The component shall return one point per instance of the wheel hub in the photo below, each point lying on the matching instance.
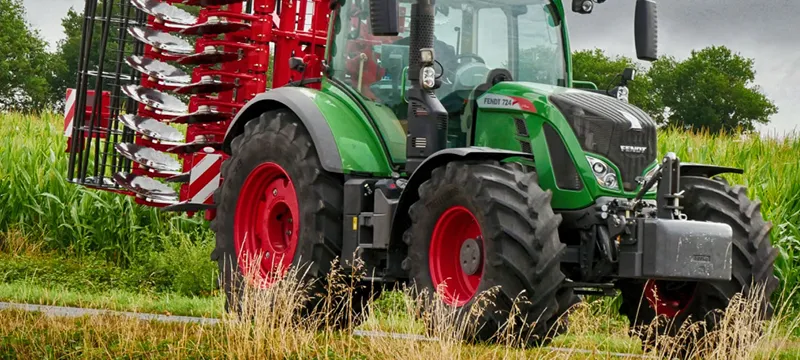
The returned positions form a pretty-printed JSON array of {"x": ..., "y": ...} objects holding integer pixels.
[
  {"x": 455, "y": 255},
  {"x": 265, "y": 224},
  {"x": 669, "y": 298},
  {"x": 470, "y": 256}
]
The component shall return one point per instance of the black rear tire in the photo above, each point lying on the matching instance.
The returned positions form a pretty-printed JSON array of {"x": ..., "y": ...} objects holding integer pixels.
[
  {"x": 521, "y": 248},
  {"x": 753, "y": 263},
  {"x": 279, "y": 137}
]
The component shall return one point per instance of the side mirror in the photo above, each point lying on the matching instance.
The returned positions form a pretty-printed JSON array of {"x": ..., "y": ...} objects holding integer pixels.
[
  {"x": 646, "y": 30},
  {"x": 383, "y": 17}
]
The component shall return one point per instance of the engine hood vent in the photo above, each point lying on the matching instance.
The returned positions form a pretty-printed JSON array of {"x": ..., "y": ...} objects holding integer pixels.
[{"x": 621, "y": 132}]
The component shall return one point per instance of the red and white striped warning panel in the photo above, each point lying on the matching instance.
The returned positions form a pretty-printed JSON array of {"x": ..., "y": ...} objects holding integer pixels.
[
  {"x": 69, "y": 112},
  {"x": 204, "y": 177}
]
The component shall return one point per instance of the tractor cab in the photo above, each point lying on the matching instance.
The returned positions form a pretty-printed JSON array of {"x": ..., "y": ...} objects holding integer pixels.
[{"x": 524, "y": 39}]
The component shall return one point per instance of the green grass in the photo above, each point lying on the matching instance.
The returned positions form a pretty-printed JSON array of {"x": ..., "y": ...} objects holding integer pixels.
[
  {"x": 116, "y": 300},
  {"x": 90, "y": 282}
]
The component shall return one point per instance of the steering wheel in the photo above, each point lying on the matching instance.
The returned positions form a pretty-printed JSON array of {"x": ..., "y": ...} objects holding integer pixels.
[
  {"x": 452, "y": 66},
  {"x": 470, "y": 56}
]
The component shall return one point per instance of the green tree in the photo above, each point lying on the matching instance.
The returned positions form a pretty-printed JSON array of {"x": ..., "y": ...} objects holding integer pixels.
[
  {"x": 713, "y": 89},
  {"x": 24, "y": 63},
  {"x": 604, "y": 71},
  {"x": 67, "y": 56}
]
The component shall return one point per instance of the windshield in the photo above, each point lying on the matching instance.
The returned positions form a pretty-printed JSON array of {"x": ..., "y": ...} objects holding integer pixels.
[
  {"x": 471, "y": 37},
  {"x": 523, "y": 37}
]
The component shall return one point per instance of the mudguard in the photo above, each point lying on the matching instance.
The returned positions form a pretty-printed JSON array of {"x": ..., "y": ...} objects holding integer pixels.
[
  {"x": 410, "y": 195},
  {"x": 692, "y": 169},
  {"x": 305, "y": 108}
]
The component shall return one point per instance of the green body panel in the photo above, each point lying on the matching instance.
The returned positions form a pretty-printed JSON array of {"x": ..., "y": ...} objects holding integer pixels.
[
  {"x": 391, "y": 130},
  {"x": 495, "y": 128},
  {"x": 358, "y": 143}
]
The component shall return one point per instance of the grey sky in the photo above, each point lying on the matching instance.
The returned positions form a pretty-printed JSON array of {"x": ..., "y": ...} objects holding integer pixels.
[{"x": 762, "y": 30}]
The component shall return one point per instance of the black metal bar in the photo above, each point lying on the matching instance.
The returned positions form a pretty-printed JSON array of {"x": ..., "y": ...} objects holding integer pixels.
[
  {"x": 97, "y": 107},
  {"x": 427, "y": 117},
  {"x": 80, "y": 96},
  {"x": 115, "y": 105},
  {"x": 668, "y": 187},
  {"x": 84, "y": 87}
]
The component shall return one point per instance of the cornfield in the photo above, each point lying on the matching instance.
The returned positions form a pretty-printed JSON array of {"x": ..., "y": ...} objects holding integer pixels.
[{"x": 37, "y": 201}]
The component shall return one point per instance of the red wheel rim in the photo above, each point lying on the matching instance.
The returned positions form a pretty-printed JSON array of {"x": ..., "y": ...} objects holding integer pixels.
[
  {"x": 668, "y": 298},
  {"x": 454, "y": 227},
  {"x": 266, "y": 223}
]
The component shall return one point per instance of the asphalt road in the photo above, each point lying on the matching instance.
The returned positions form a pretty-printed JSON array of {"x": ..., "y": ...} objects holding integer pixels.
[{"x": 63, "y": 311}]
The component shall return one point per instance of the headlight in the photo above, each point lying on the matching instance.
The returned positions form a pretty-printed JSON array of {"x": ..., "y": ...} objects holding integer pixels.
[
  {"x": 603, "y": 173},
  {"x": 428, "y": 77}
]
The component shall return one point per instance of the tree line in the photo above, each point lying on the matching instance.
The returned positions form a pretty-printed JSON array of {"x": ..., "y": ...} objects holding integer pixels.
[{"x": 713, "y": 89}]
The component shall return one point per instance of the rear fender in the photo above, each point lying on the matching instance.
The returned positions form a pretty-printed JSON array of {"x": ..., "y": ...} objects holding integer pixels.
[
  {"x": 349, "y": 146},
  {"x": 401, "y": 220}
]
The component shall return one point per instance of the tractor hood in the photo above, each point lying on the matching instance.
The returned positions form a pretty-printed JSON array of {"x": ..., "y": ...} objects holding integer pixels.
[{"x": 616, "y": 130}]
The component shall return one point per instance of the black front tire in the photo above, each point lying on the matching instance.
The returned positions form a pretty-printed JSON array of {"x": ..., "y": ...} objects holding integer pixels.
[
  {"x": 522, "y": 251},
  {"x": 753, "y": 264},
  {"x": 278, "y": 136}
]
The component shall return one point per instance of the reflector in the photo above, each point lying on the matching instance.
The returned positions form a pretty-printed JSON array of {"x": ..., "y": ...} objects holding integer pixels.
[
  {"x": 203, "y": 115},
  {"x": 165, "y": 12},
  {"x": 209, "y": 56},
  {"x": 206, "y": 85},
  {"x": 161, "y": 40},
  {"x": 214, "y": 26},
  {"x": 155, "y": 99},
  {"x": 146, "y": 186},
  {"x": 151, "y": 127},
  {"x": 149, "y": 157},
  {"x": 158, "y": 69}
]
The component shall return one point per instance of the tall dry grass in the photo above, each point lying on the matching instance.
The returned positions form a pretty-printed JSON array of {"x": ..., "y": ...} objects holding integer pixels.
[{"x": 271, "y": 326}]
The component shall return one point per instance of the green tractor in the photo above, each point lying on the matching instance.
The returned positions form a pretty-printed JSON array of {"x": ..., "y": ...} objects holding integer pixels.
[{"x": 448, "y": 147}]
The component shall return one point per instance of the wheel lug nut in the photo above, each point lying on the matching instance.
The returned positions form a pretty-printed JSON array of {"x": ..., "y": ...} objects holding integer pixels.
[{"x": 274, "y": 192}]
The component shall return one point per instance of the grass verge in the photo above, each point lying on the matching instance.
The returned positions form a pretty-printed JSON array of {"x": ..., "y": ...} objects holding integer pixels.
[{"x": 271, "y": 327}]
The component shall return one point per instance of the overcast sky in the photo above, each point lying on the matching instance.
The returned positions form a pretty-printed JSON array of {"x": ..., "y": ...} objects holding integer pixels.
[{"x": 763, "y": 30}]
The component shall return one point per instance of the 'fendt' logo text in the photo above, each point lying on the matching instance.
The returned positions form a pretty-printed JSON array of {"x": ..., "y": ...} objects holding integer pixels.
[
  {"x": 632, "y": 149},
  {"x": 498, "y": 101}
]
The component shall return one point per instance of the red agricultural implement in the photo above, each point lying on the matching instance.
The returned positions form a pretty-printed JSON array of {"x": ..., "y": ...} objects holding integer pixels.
[{"x": 165, "y": 95}]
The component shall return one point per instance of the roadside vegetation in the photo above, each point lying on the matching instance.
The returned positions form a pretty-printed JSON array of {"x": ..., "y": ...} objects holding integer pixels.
[
  {"x": 61, "y": 244},
  {"x": 270, "y": 327}
]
